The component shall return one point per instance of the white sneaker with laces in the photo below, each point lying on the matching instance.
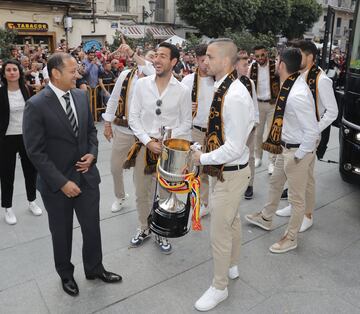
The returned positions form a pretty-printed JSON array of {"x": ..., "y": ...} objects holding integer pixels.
[
  {"x": 35, "y": 209},
  {"x": 10, "y": 217},
  {"x": 119, "y": 203},
  {"x": 284, "y": 212},
  {"x": 211, "y": 298},
  {"x": 234, "y": 272},
  {"x": 257, "y": 162},
  {"x": 306, "y": 224},
  {"x": 204, "y": 210},
  {"x": 270, "y": 168}
]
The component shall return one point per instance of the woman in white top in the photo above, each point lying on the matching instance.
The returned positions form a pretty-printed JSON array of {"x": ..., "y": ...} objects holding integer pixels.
[{"x": 13, "y": 95}]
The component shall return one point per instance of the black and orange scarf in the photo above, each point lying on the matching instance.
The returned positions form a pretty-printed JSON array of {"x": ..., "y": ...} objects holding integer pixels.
[
  {"x": 215, "y": 131},
  {"x": 274, "y": 79},
  {"x": 195, "y": 93},
  {"x": 273, "y": 142},
  {"x": 246, "y": 81},
  {"x": 312, "y": 79}
]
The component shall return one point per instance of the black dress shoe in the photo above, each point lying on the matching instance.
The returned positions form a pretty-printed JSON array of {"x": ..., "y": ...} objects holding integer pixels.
[
  {"x": 249, "y": 193},
  {"x": 70, "y": 287},
  {"x": 105, "y": 276}
]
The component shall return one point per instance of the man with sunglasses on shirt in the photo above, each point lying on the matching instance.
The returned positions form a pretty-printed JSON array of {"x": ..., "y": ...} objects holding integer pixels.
[
  {"x": 262, "y": 72},
  {"x": 159, "y": 101}
]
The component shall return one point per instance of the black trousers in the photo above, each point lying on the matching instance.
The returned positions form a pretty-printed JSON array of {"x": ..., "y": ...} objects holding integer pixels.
[
  {"x": 9, "y": 146},
  {"x": 60, "y": 211}
]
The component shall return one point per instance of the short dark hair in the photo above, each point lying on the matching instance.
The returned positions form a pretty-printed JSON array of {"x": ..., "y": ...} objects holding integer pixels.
[
  {"x": 306, "y": 46},
  {"x": 21, "y": 72},
  {"x": 174, "y": 52},
  {"x": 292, "y": 59},
  {"x": 200, "y": 50},
  {"x": 56, "y": 61},
  {"x": 259, "y": 47}
]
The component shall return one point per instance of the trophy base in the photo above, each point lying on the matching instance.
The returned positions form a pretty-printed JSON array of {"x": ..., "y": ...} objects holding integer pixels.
[{"x": 169, "y": 225}]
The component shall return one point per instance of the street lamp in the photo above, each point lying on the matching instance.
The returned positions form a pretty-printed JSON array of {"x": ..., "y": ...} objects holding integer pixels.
[{"x": 146, "y": 14}]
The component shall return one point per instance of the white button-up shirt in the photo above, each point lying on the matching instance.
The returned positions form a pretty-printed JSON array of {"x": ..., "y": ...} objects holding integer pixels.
[
  {"x": 327, "y": 105},
  {"x": 255, "y": 101},
  {"x": 175, "y": 110},
  {"x": 300, "y": 125},
  {"x": 263, "y": 82},
  {"x": 205, "y": 97},
  {"x": 59, "y": 94},
  {"x": 238, "y": 120},
  {"x": 113, "y": 102}
]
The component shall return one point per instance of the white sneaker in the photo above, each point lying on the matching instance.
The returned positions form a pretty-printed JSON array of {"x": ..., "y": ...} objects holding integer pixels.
[
  {"x": 234, "y": 272},
  {"x": 10, "y": 217},
  {"x": 306, "y": 224},
  {"x": 270, "y": 168},
  {"x": 284, "y": 212},
  {"x": 204, "y": 210},
  {"x": 211, "y": 298},
  {"x": 119, "y": 203},
  {"x": 35, "y": 209},
  {"x": 257, "y": 162}
]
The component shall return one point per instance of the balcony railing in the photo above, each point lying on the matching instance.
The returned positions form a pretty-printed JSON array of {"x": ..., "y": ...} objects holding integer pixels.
[{"x": 121, "y": 8}]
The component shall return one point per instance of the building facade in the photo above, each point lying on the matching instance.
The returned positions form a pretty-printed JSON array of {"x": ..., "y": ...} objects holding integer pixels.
[
  {"x": 46, "y": 22},
  {"x": 344, "y": 13}
]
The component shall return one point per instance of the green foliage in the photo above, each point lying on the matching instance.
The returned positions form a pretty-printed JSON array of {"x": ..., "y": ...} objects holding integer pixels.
[
  {"x": 212, "y": 17},
  {"x": 304, "y": 13},
  {"x": 192, "y": 41},
  {"x": 271, "y": 16},
  {"x": 246, "y": 41},
  {"x": 7, "y": 38}
]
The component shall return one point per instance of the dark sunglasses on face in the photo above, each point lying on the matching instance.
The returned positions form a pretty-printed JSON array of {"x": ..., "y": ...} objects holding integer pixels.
[
  {"x": 260, "y": 56},
  {"x": 158, "y": 104}
]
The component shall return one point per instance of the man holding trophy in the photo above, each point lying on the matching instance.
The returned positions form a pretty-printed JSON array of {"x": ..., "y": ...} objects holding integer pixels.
[
  {"x": 231, "y": 120},
  {"x": 160, "y": 101}
]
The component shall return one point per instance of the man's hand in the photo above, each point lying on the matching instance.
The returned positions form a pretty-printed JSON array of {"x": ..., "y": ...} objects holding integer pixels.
[
  {"x": 196, "y": 157},
  {"x": 126, "y": 49},
  {"x": 85, "y": 163},
  {"x": 155, "y": 147},
  {"x": 108, "y": 133},
  {"x": 70, "y": 189}
]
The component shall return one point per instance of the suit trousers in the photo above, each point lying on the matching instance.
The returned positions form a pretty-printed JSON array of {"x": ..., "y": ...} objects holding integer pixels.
[
  {"x": 9, "y": 146},
  {"x": 251, "y": 145},
  {"x": 60, "y": 211},
  {"x": 225, "y": 225},
  {"x": 296, "y": 173},
  {"x": 198, "y": 136},
  {"x": 121, "y": 146},
  {"x": 266, "y": 114}
]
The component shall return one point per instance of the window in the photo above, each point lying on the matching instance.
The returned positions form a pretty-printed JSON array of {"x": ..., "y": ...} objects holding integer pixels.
[
  {"x": 160, "y": 11},
  {"x": 121, "y": 6},
  {"x": 338, "y": 22},
  {"x": 350, "y": 24}
]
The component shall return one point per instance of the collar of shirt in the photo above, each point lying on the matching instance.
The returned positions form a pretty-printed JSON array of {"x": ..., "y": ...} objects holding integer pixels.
[
  {"x": 172, "y": 80},
  {"x": 219, "y": 82},
  {"x": 58, "y": 92}
]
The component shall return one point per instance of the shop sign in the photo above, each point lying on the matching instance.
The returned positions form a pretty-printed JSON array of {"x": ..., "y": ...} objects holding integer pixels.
[{"x": 27, "y": 27}]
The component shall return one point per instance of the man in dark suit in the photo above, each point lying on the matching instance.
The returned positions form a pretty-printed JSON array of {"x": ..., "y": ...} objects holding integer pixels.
[{"x": 61, "y": 141}]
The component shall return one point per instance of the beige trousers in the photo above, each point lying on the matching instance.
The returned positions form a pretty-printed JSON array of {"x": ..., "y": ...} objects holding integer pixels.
[
  {"x": 120, "y": 147},
  {"x": 251, "y": 145},
  {"x": 296, "y": 173},
  {"x": 144, "y": 189},
  {"x": 266, "y": 113},
  {"x": 225, "y": 232},
  {"x": 198, "y": 136}
]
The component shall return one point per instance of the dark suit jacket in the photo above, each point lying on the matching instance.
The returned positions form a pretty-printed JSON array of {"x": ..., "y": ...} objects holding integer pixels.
[
  {"x": 5, "y": 107},
  {"x": 51, "y": 143}
]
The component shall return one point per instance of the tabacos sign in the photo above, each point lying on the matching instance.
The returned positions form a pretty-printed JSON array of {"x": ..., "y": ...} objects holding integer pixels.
[{"x": 27, "y": 27}]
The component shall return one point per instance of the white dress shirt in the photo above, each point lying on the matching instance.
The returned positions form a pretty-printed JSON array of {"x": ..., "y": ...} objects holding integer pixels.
[
  {"x": 16, "y": 106},
  {"x": 175, "y": 110},
  {"x": 59, "y": 94},
  {"x": 300, "y": 125},
  {"x": 263, "y": 82},
  {"x": 238, "y": 120},
  {"x": 255, "y": 101},
  {"x": 327, "y": 105},
  {"x": 205, "y": 97}
]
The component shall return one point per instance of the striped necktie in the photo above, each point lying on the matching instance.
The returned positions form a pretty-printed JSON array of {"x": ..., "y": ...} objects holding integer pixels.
[{"x": 70, "y": 114}]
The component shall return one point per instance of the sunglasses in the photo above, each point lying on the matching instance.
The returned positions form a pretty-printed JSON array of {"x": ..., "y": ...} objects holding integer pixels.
[
  {"x": 158, "y": 104},
  {"x": 260, "y": 56}
]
